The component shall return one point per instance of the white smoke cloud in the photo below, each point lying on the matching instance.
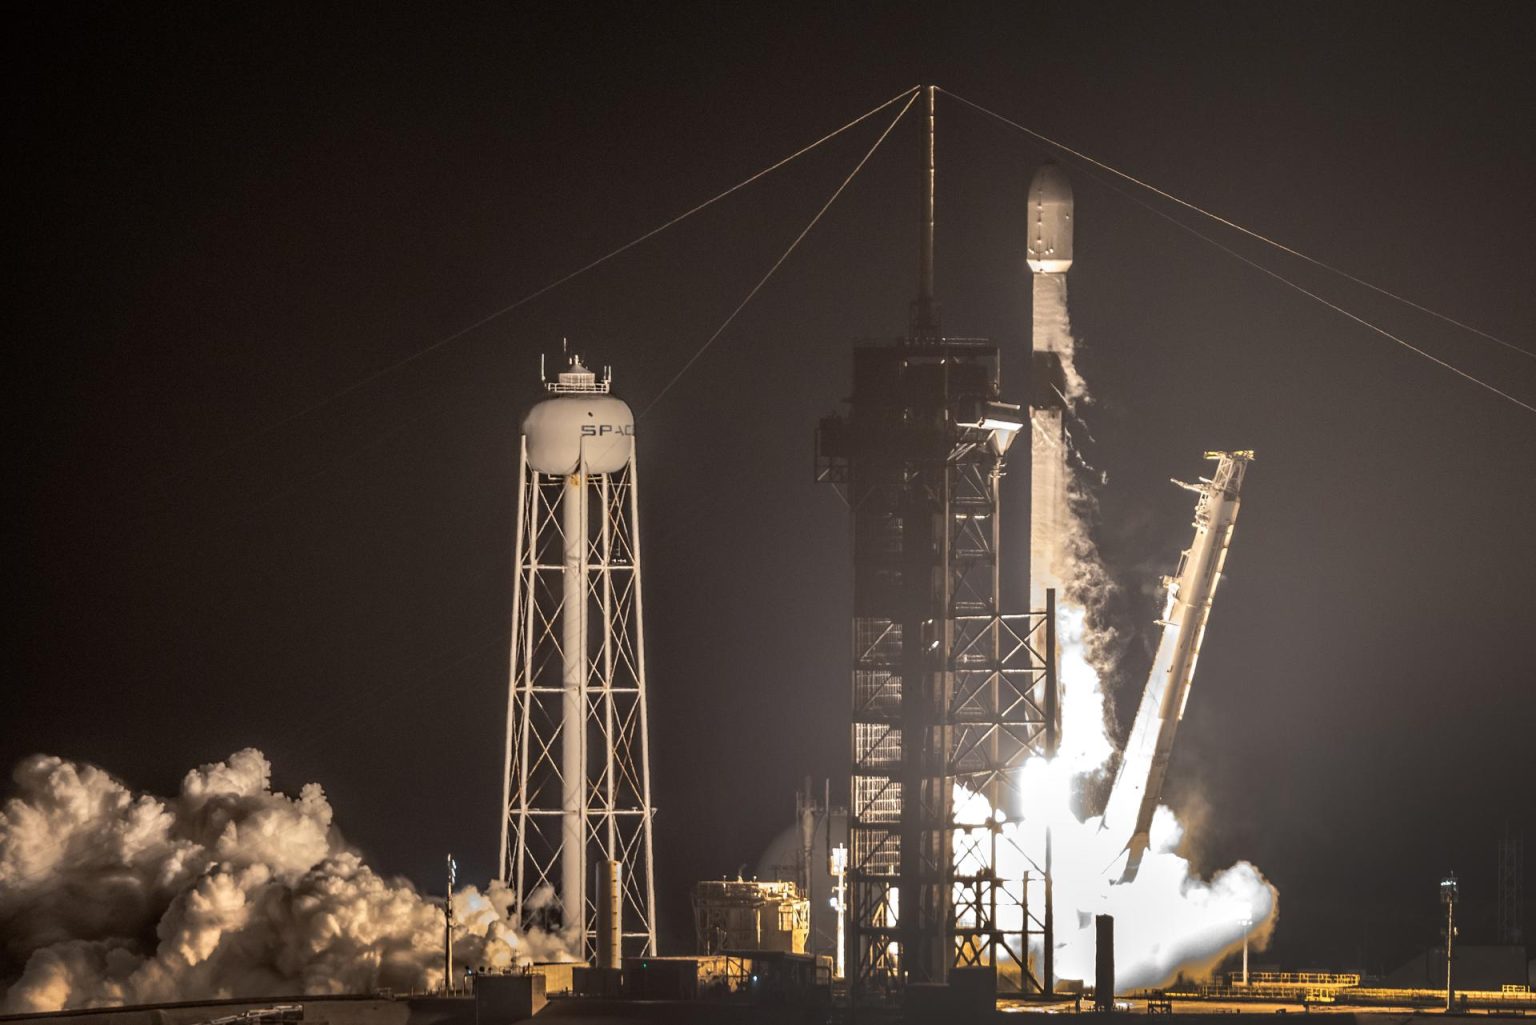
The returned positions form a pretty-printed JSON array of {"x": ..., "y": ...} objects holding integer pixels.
[
  {"x": 1168, "y": 920},
  {"x": 1084, "y": 745},
  {"x": 228, "y": 889}
]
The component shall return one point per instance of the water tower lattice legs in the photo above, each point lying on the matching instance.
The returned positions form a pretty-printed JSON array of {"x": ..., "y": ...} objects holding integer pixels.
[{"x": 578, "y": 777}]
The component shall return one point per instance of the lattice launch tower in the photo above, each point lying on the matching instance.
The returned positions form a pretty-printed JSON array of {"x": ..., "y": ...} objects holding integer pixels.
[{"x": 951, "y": 693}]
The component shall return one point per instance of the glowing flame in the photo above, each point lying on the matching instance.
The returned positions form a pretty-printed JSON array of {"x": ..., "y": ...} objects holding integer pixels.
[
  {"x": 1167, "y": 919},
  {"x": 1084, "y": 746}
]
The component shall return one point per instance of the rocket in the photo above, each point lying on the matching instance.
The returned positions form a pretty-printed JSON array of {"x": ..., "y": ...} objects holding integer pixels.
[
  {"x": 1138, "y": 785},
  {"x": 1049, "y": 234}
]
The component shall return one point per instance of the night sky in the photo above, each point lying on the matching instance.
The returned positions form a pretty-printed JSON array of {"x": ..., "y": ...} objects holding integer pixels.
[{"x": 224, "y": 217}]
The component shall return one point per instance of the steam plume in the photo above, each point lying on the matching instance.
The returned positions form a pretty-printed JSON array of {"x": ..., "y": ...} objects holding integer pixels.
[{"x": 228, "y": 889}]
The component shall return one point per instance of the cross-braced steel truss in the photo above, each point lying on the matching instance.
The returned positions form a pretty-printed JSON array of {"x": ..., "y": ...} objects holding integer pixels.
[
  {"x": 948, "y": 691},
  {"x": 577, "y": 791}
]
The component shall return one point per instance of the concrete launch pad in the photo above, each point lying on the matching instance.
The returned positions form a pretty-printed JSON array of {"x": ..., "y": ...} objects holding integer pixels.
[{"x": 407, "y": 1010}]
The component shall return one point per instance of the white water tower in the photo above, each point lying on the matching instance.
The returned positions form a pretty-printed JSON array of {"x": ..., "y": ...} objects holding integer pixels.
[{"x": 577, "y": 790}]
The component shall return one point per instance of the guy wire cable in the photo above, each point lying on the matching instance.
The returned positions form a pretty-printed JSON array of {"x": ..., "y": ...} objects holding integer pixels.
[
  {"x": 779, "y": 262},
  {"x": 907, "y": 94},
  {"x": 1238, "y": 227}
]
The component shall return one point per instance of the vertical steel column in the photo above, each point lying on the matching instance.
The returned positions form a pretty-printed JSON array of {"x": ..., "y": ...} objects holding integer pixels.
[
  {"x": 573, "y": 736},
  {"x": 610, "y": 837},
  {"x": 1052, "y": 728}
]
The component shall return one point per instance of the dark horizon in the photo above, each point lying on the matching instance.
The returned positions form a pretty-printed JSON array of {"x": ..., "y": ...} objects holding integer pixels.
[{"x": 229, "y": 220}]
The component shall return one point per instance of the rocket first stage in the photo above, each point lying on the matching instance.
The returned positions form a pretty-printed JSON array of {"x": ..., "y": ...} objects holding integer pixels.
[{"x": 1144, "y": 763}]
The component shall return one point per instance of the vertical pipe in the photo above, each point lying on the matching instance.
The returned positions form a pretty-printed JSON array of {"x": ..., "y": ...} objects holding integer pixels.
[
  {"x": 573, "y": 755},
  {"x": 610, "y": 911},
  {"x": 1104, "y": 963},
  {"x": 1048, "y": 940},
  {"x": 995, "y": 710},
  {"x": 1024, "y": 918},
  {"x": 1052, "y": 713},
  {"x": 610, "y": 739},
  {"x": 937, "y": 919},
  {"x": 994, "y": 938},
  {"x": 1048, "y": 981}
]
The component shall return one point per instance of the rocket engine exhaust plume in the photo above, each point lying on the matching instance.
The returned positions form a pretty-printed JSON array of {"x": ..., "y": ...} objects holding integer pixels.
[
  {"x": 229, "y": 889},
  {"x": 1168, "y": 920}
]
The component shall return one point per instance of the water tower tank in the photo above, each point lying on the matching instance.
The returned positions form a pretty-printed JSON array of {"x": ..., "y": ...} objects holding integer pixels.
[
  {"x": 576, "y": 679},
  {"x": 579, "y": 421}
]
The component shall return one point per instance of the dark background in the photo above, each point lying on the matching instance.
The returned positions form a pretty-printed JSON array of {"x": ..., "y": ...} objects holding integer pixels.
[{"x": 224, "y": 216}]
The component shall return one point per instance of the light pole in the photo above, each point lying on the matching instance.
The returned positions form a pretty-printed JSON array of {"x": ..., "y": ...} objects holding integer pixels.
[
  {"x": 1448, "y": 898},
  {"x": 839, "y": 868},
  {"x": 453, "y": 873}
]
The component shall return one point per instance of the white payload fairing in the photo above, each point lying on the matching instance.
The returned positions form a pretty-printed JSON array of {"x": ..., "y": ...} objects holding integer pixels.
[
  {"x": 1050, "y": 221},
  {"x": 1052, "y": 382},
  {"x": 1144, "y": 763}
]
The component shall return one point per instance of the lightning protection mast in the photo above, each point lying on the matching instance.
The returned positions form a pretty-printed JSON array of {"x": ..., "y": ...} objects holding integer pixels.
[{"x": 577, "y": 786}]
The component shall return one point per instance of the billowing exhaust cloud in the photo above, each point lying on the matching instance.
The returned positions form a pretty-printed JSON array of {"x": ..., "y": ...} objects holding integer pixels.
[
  {"x": 1168, "y": 920},
  {"x": 228, "y": 889}
]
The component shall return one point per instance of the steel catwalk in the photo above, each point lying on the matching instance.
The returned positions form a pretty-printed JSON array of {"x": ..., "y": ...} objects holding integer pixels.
[{"x": 947, "y": 689}]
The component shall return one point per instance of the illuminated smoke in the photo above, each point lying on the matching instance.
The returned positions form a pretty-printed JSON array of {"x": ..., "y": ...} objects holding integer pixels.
[
  {"x": 1167, "y": 920},
  {"x": 1084, "y": 747},
  {"x": 1053, "y": 330},
  {"x": 229, "y": 889},
  {"x": 1062, "y": 553}
]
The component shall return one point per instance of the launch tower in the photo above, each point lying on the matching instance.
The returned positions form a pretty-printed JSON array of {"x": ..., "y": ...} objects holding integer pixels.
[
  {"x": 948, "y": 689},
  {"x": 576, "y": 791}
]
